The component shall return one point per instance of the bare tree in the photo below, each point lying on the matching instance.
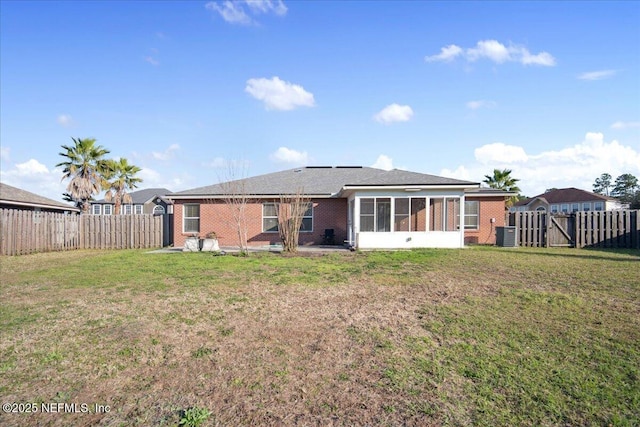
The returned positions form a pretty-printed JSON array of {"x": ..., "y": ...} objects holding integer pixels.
[
  {"x": 237, "y": 197},
  {"x": 291, "y": 210}
]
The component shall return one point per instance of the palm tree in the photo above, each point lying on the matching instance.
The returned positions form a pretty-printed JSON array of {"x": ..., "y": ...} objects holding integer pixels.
[
  {"x": 119, "y": 178},
  {"x": 503, "y": 180},
  {"x": 84, "y": 164}
]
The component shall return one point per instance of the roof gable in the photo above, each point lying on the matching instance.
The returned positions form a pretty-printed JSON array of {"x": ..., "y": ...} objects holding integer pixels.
[
  {"x": 321, "y": 181},
  {"x": 141, "y": 196},
  {"x": 10, "y": 194},
  {"x": 565, "y": 195}
]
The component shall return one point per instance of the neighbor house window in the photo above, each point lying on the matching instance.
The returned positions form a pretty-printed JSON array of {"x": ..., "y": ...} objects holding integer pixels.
[
  {"x": 108, "y": 209},
  {"x": 269, "y": 218},
  {"x": 471, "y": 214},
  {"x": 191, "y": 218},
  {"x": 554, "y": 208},
  {"x": 575, "y": 207},
  {"x": 565, "y": 208},
  {"x": 598, "y": 206},
  {"x": 97, "y": 209},
  {"x": 138, "y": 209},
  {"x": 126, "y": 209},
  {"x": 158, "y": 210},
  {"x": 586, "y": 206}
]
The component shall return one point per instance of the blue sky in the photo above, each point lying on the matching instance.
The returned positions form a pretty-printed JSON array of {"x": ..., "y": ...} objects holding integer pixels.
[{"x": 550, "y": 90}]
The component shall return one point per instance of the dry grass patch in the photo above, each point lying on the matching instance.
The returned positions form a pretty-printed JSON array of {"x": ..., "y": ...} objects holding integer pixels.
[{"x": 468, "y": 337}]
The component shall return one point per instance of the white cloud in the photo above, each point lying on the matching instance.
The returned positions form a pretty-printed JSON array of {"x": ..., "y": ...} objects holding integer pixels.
[
  {"x": 475, "y": 105},
  {"x": 447, "y": 54},
  {"x": 167, "y": 154},
  {"x": 235, "y": 12},
  {"x": 35, "y": 177},
  {"x": 287, "y": 155},
  {"x": 278, "y": 94},
  {"x": 151, "y": 60},
  {"x": 500, "y": 153},
  {"x": 65, "y": 120},
  {"x": 574, "y": 166},
  {"x": 5, "y": 154},
  {"x": 597, "y": 75},
  {"x": 152, "y": 178},
  {"x": 625, "y": 125},
  {"x": 383, "y": 162},
  {"x": 494, "y": 51},
  {"x": 394, "y": 113}
]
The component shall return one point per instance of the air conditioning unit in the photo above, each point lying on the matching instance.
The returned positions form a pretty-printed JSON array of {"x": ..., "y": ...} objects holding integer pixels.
[{"x": 506, "y": 237}]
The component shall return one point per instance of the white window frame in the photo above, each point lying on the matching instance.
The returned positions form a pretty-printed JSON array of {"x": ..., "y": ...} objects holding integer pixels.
[
  {"x": 598, "y": 206},
  {"x": 470, "y": 215},
  {"x": 586, "y": 206},
  {"x": 96, "y": 209},
  {"x": 564, "y": 208},
  {"x": 375, "y": 215},
  {"x": 106, "y": 208},
  {"x": 555, "y": 209},
  {"x": 160, "y": 211},
  {"x": 275, "y": 206},
  {"x": 138, "y": 209},
  {"x": 575, "y": 207},
  {"x": 305, "y": 216},
  {"x": 185, "y": 218},
  {"x": 126, "y": 209}
]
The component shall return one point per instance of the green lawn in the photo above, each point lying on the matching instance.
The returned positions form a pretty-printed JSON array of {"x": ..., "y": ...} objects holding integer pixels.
[{"x": 480, "y": 336}]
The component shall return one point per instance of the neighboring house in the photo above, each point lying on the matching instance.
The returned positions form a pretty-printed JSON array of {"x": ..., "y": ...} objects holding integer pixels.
[
  {"x": 147, "y": 201},
  {"x": 15, "y": 198},
  {"x": 568, "y": 200},
  {"x": 360, "y": 206}
]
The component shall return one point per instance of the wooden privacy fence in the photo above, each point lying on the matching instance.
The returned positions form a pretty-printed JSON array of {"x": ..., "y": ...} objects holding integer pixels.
[
  {"x": 603, "y": 229},
  {"x": 25, "y": 232}
]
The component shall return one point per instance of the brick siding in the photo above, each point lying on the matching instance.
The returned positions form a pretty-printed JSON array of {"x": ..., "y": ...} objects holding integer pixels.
[
  {"x": 217, "y": 216},
  {"x": 489, "y": 207}
]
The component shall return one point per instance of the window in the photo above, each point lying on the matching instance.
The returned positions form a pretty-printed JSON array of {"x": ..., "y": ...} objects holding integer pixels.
[
  {"x": 126, "y": 209},
  {"x": 598, "y": 206},
  {"x": 418, "y": 214},
  {"x": 97, "y": 209},
  {"x": 383, "y": 215},
  {"x": 108, "y": 209},
  {"x": 307, "y": 220},
  {"x": 269, "y": 218},
  {"x": 375, "y": 214},
  {"x": 586, "y": 206},
  {"x": 540, "y": 209},
  {"x": 401, "y": 220},
  {"x": 367, "y": 214},
  {"x": 471, "y": 214},
  {"x": 554, "y": 209},
  {"x": 444, "y": 212},
  {"x": 575, "y": 207},
  {"x": 138, "y": 209},
  {"x": 191, "y": 219},
  {"x": 158, "y": 210},
  {"x": 564, "y": 208}
]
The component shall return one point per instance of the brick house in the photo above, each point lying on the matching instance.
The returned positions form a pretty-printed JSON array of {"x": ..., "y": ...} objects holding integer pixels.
[
  {"x": 568, "y": 200},
  {"x": 359, "y": 206}
]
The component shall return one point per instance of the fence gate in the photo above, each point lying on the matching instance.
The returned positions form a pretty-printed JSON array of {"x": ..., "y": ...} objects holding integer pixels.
[{"x": 561, "y": 231}]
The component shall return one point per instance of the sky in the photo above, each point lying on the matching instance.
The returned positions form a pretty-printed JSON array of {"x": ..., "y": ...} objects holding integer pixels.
[{"x": 550, "y": 90}]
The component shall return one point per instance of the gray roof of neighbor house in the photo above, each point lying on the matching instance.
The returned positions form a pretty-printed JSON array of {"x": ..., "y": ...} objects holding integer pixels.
[
  {"x": 142, "y": 196},
  {"x": 566, "y": 195},
  {"x": 19, "y": 197},
  {"x": 322, "y": 181}
]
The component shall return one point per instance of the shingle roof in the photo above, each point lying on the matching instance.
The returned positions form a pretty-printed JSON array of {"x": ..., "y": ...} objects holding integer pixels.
[
  {"x": 10, "y": 194},
  {"x": 325, "y": 181},
  {"x": 141, "y": 196},
  {"x": 565, "y": 195}
]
